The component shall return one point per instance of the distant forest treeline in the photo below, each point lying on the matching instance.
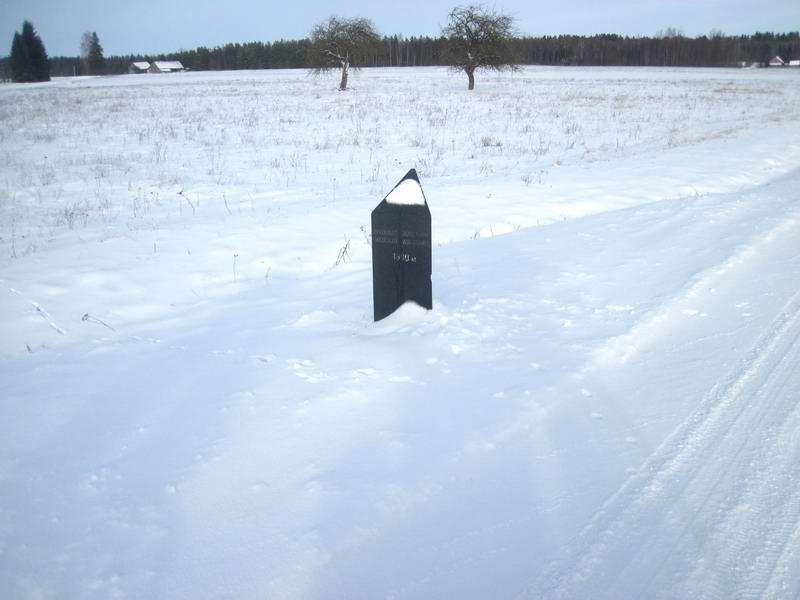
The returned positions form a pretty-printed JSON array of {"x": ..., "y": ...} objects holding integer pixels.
[{"x": 666, "y": 50}]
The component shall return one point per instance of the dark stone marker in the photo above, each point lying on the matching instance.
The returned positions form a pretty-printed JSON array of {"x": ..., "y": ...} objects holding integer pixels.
[{"x": 401, "y": 248}]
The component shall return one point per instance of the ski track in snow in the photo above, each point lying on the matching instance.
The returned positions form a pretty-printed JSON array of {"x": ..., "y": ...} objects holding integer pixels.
[{"x": 715, "y": 511}]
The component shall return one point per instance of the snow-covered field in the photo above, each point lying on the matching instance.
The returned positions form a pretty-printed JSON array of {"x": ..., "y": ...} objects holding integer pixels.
[{"x": 604, "y": 402}]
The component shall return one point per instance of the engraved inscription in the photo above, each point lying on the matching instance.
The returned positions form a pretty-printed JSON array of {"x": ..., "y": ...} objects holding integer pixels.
[{"x": 406, "y": 238}]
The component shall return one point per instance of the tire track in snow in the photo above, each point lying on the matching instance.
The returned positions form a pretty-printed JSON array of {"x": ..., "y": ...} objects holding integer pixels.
[
  {"x": 785, "y": 573},
  {"x": 713, "y": 511},
  {"x": 759, "y": 506}
]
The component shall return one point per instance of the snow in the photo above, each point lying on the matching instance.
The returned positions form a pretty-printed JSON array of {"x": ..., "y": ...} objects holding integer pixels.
[
  {"x": 603, "y": 402},
  {"x": 407, "y": 192}
]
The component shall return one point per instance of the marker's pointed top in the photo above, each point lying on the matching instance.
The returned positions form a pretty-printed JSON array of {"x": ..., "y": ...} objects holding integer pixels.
[{"x": 412, "y": 174}]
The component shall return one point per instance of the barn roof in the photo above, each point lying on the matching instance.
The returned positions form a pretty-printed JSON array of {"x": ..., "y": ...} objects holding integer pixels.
[{"x": 168, "y": 65}]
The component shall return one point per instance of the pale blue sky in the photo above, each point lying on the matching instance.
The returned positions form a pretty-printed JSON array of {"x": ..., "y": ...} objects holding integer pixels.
[{"x": 150, "y": 26}]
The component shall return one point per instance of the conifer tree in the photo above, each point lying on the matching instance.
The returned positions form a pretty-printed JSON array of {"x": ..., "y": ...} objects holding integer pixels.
[
  {"x": 92, "y": 54},
  {"x": 29, "y": 60},
  {"x": 18, "y": 59}
]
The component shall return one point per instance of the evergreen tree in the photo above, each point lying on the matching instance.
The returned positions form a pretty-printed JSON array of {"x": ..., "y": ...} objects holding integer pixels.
[
  {"x": 97, "y": 63},
  {"x": 29, "y": 60},
  {"x": 18, "y": 59},
  {"x": 92, "y": 54},
  {"x": 37, "y": 55}
]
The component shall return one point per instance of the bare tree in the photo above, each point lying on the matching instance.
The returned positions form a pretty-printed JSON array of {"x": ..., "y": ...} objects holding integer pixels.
[
  {"x": 341, "y": 43},
  {"x": 670, "y": 33},
  {"x": 86, "y": 44},
  {"x": 479, "y": 38}
]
